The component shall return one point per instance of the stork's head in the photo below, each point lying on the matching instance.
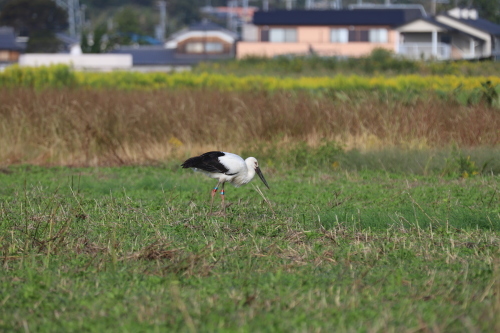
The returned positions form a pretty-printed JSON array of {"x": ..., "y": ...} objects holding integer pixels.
[{"x": 252, "y": 163}]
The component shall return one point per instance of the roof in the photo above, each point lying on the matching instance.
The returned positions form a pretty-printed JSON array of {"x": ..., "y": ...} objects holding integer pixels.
[
  {"x": 372, "y": 6},
  {"x": 391, "y": 17},
  {"x": 8, "y": 40},
  {"x": 240, "y": 11},
  {"x": 144, "y": 56},
  {"x": 205, "y": 26},
  {"x": 484, "y": 25},
  {"x": 67, "y": 39},
  {"x": 430, "y": 20}
]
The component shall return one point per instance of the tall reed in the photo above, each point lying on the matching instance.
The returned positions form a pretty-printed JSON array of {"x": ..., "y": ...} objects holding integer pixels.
[{"x": 103, "y": 127}]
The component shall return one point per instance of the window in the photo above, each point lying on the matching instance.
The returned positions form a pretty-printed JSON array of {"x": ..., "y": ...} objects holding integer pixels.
[
  {"x": 446, "y": 39},
  {"x": 209, "y": 47},
  {"x": 277, "y": 35},
  {"x": 264, "y": 35},
  {"x": 378, "y": 35},
  {"x": 214, "y": 47},
  {"x": 339, "y": 35},
  {"x": 358, "y": 36},
  {"x": 194, "y": 47}
]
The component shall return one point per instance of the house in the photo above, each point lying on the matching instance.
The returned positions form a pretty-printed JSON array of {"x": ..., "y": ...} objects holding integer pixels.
[
  {"x": 457, "y": 34},
  {"x": 347, "y": 32},
  {"x": 10, "y": 50},
  {"x": 204, "y": 41}
]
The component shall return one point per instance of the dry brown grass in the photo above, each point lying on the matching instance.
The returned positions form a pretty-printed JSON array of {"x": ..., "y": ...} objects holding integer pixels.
[{"x": 103, "y": 127}]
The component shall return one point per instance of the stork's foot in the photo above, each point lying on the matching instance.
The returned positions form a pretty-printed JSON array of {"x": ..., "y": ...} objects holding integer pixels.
[
  {"x": 226, "y": 204},
  {"x": 222, "y": 211}
]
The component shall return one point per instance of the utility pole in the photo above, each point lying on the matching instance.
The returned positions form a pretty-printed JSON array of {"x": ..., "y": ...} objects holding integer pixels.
[
  {"x": 245, "y": 11},
  {"x": 231, "y": 24},
  {"x": 265, "y": 5},
  {"x": 74, "y": 16},
  {"x": 160, "y": 29},
  {"x": 71, "y": 18}
]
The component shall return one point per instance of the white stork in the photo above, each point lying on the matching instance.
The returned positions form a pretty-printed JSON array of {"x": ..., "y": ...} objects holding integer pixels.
[{"x": 225, "y": 167}]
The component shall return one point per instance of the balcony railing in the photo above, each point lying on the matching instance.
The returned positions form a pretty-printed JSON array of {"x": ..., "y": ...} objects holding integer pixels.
[
  {"x": 495, "y": 53},
  {"x": 424, "y": 51}
]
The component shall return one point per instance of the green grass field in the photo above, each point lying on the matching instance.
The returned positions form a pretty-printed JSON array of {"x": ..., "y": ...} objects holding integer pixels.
[
  {"x": 383, "y": 213},
  {"x": 131, "y": 249}
]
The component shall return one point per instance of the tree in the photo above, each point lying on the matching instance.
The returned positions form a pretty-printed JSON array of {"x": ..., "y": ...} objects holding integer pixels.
[
  {"x": 127, "y": 21},
  {"x": 84, "y": 43},
  {"x": 182, "y": 13},
  {"x": 132, "y": 25},
  {"x": 38, "y": 19},
  {"x": 43, "y": 42},
  {"x": 97, "y": 46},
  {"x": 488, "y": 9},
  {"x": 115, "y": 3}
]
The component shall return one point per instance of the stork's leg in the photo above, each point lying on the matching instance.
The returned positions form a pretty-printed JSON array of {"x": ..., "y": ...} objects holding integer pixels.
[
  {"x": 223, "y": 197},
  {"x": 213, "y": 195}
]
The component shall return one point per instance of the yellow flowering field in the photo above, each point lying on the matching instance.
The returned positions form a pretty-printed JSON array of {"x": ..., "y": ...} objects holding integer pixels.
[{"x": 61, "y": 76}]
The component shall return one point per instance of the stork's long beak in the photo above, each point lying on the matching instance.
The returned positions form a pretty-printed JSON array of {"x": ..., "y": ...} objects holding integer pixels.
[{"x": 257, "y": 169}]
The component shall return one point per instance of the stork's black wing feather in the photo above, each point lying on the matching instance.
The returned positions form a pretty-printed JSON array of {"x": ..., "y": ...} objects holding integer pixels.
[{"x": 207, "y": 162}]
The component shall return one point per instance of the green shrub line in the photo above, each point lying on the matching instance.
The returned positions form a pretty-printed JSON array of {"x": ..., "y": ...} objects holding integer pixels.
[{"x": 380, "y": 61}]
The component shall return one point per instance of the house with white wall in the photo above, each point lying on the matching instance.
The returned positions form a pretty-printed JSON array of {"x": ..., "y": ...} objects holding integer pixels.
[{"x": 457, "y": 34}]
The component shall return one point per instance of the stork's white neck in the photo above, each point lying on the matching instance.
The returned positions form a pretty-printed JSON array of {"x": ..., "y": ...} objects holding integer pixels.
[{"x": 250, "y": 162}]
